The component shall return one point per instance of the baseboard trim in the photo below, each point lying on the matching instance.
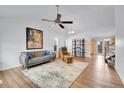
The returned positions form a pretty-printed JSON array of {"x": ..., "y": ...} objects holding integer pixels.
[
  {"x": 6, "y": 67},
  {"x": 117, "y": 70}
]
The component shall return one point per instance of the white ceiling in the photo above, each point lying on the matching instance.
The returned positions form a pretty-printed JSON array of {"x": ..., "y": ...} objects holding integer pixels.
[{"x": 87, "y": 18}]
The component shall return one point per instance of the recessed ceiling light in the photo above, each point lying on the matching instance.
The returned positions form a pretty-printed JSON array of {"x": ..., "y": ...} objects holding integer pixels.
[
  {"x": 71, "y": 32},
  {"x": 106, "y": 39}
]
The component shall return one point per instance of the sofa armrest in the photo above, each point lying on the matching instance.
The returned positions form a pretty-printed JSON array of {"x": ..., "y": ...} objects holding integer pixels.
[
  {"x": 53, "y": 54},
  {"x": 23, "y": 59}
]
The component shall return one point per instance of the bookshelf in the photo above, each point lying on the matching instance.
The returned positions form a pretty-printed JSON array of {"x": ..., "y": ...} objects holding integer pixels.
[
  {"x": 78, "y": 47},
  {"x": 74, "y": 47}
]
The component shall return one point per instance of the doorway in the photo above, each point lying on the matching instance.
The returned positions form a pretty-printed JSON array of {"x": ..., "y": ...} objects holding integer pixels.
[
  {"x": 100, "y": 47},
  {"x": 55, "y": 44}
]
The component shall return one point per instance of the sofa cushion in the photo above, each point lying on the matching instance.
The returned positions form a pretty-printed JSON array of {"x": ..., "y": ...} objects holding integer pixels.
[
  {"x": 38, "y": 53},
  {"x": 42, "y": 53},
  {"x": 36, "y": 60}
]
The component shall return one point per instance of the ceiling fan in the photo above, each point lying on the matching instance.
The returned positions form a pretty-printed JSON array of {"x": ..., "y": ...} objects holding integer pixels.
[{"x": 58, "y": 19}]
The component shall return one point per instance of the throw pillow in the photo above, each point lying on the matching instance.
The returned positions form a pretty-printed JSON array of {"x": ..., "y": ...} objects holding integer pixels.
[
  {"x": 46, "y": 53},
  {"x": 29, "y": 55}
]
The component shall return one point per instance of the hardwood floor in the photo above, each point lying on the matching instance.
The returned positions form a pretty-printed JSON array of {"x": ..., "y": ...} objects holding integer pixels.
[{"x": 96, "y": 75}]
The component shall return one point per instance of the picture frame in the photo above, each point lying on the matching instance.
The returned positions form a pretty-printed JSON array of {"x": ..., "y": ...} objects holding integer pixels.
[{"x": 34, "y": 38}]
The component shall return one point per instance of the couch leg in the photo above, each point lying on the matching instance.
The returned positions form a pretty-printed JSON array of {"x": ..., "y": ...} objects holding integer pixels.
[{"x": 54, "y": 59}]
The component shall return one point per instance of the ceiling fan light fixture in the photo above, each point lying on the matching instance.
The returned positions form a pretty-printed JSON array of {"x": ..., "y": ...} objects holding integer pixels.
[{"x": 71, "y": 32}]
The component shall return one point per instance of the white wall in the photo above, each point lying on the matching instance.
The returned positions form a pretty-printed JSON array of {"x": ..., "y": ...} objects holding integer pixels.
[
  {"x": 119, "y": 20},
  {"x": 0, "y": 43},
  {"x": 13, "y": 34}
]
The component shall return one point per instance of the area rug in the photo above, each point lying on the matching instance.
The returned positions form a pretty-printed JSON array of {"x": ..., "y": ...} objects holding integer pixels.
[{"x": 57, "y": 74}]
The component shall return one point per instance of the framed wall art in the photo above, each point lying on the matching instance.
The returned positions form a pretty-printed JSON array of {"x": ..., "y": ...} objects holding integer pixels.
[{"x": 34, "y": 38}]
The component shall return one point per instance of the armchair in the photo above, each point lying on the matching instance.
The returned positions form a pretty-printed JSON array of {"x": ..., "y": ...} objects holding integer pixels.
[{"x": 63, "y": 52}]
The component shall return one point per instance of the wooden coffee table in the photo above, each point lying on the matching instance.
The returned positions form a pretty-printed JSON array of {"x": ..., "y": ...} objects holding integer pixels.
[{"x": 68, "y": 59}]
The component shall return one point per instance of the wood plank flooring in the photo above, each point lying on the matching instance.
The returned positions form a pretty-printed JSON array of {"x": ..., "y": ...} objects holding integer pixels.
[{"x": 96, "y": 75}]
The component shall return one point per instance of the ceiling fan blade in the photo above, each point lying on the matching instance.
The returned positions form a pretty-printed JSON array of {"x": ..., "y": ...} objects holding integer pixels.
[
  {"x": 48, "y": 20},
  {"x": 61, "y": 26},
  {"x": 67, "y": 22}
]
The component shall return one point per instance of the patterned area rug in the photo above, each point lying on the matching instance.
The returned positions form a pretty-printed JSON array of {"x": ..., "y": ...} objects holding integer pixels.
[{"x": 56, "y": 74}]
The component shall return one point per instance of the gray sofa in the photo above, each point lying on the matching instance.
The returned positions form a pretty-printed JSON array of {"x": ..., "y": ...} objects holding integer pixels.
[{"x": 28, "y": 59}]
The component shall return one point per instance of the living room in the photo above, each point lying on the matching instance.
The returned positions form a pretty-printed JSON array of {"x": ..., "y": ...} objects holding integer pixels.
[{"x": 91, "y": 23}]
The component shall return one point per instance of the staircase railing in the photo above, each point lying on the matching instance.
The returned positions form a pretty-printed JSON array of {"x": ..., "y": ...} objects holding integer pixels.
[{"x": 110, "y": 54}]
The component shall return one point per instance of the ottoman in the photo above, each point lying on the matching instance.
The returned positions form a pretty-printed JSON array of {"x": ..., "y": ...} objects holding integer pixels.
[{"x": 68, "y": 59}]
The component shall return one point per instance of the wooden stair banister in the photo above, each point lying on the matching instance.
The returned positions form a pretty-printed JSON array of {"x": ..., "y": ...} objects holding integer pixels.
[{"x": 110, "y": 54}]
